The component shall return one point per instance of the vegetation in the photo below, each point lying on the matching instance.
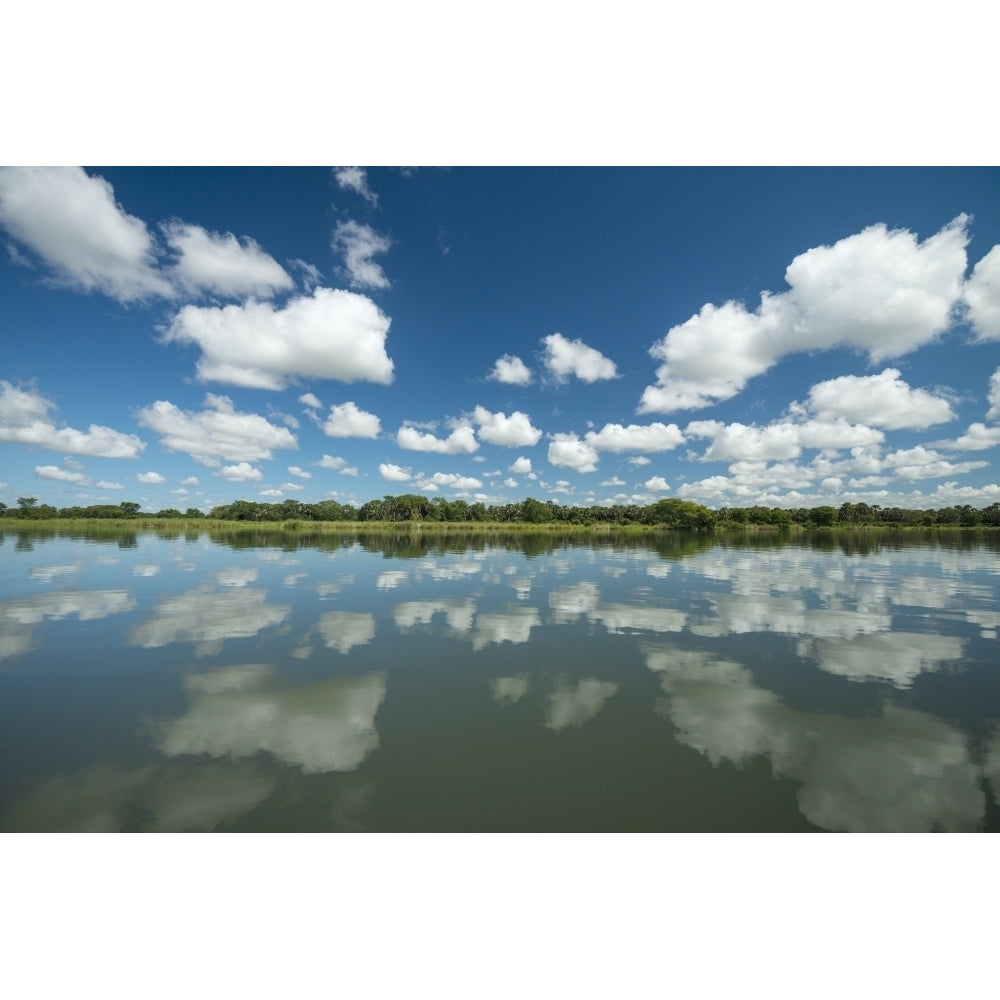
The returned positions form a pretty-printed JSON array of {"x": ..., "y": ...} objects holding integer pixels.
[{"x": 414, "y": 508}]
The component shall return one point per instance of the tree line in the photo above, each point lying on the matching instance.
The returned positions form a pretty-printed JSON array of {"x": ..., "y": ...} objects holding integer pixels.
[{"x": 413, "y": 507}]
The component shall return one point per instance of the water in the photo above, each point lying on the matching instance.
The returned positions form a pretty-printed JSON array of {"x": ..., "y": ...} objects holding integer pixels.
[{"x": 415, "y": 682}]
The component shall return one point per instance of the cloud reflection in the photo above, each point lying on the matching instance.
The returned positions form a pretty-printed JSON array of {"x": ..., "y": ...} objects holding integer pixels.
[
  {"x": 901, "y": 771},
  {"x": 209, "y": 618},
  {"x": 237, "y": 712},
  {"x": 896, "y": 657},
  {"x": 497, "y": 627},
  {"x": 508, "y": 690},
  {"x": 575, "y": 704},
  {"x": 343, "y": 630},
  {"x": 169, "y": 797}
]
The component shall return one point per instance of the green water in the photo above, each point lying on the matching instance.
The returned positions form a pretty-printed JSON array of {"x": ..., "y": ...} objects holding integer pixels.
[{"x": 408, "y": 683}]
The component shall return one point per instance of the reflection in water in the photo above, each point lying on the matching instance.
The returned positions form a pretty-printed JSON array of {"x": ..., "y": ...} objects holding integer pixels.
[
  {"x": 896, "y": 657},
  {"x": 508, "y": 690},
  {"x": 209, "y": 618},
  {"x": 20, "y": 615},
  {"x": 901, "y": 771},
  {"x": 237, "y": 712},
  {"x": 575, "y": 704},
  {"x": 343, "y": 630},
  {"x": 84, "y": 604},
  {"x": 514, "y": 626},
  {"x": 458, "y": 614},
  {"x": 167, "y": 797},
  {"x": 860, "y": 673}
]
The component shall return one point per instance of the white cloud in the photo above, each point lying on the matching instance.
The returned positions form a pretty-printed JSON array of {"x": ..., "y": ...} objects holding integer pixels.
[
  {"x": 311, "y": 274},
  {"x": 450, "y": 479},
  {"x": 220, "y": 264},
  {"x": 358, "y": 244},
  {"x": 569, "y": 451},
  {"x": 355, "y": 179},
  {"x": 882, "y": 400},
  {"x": 294, "y": 470},
  {"x": 394, "y": 473},
  {"x": 308, "y": 399},
  {"x": 657, "y": 483},
  {"x": 977, "y": 438},
  {"x": 922, "y": 463},
  {"x": 511, "y": 370},
  {"x": 332, "y": 334},
  {"x": 25, "y": 419},
  {"x": 217, "y": 432},
  {"x": 348, "y": 420},
  {"x": 331, "y": 462},
  {"x": 105, "y": 485},
  {"x": 879, "y": 291},
  {"x": 520, "y": 466},
  {"x": 72, "y": 221},
  {"x": 613, "y": 481},
  {"x": 982, "y": 296},
  {"x": 190, "y": 481},
  {"x": 651, "y": 437},
  {"x": 639, "y": 460},
  {"x": 243, "y": 472},
  {"x": 60, "y": 475},
  {"x": 993, "y": 396},
  {"x": 573, "y": 357},
  {"x": 462, "y": 440},
  {"x": 514, "y": 431},
  {"x": 150, "y": 478}
]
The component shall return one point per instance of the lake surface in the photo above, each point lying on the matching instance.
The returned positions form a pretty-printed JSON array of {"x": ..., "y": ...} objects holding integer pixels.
[{"x": 414, "y": 682}]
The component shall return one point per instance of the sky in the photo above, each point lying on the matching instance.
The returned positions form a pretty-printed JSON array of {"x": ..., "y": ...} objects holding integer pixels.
[{"x": 185, "y": 337}]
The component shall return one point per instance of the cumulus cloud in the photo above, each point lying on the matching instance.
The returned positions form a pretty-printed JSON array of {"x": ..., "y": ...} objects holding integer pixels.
[
  {"x": 882, "y": 400},
  {"x": 332, "y": 334},
  {"x": 982, "y": 297},
  {"x": 220, "y": 264},
  {"x": 461, "y": 441},
  {"x": 511, "y": 370},
  {"x": 394, "y": 473},
  {"x": 924, "y": 463},
  {"x": 879, "y": 291},
  {"x": 355, "y": 179},
  {"x": 450, "y": 479},
  {"x": 25, "y": 419},
  {"x": 977, "y": 438},
  {"x": 569, "y": 451},
  {"x": 520, "y": 466},
  {"x": 74, "y": 224},
  {"x": 348, "y": 420},
  {"x": 993, "y": 396},
  {"x": 332, "y": 462},
  {"x": 657, "y": 483},
  {"x": 61, "y": 475},
  {"x": 651, "y": 437},
  {"x": 150, "y": 478},
  {"x": 514, "y": 431},
  {"x": 308, "y": 399},
  {"x": 217, "y": 432},
  {"x": 243, "y": 472},
  {"x": 358, "y": 244},
  {"x": 565, "y": 357}
]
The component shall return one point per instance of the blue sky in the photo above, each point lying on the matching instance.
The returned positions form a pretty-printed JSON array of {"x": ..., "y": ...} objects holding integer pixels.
[{"x": 184, "y": 337}]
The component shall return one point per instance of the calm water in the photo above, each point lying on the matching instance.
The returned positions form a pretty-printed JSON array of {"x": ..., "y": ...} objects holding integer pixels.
[{"x": 416, "y": 683}]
